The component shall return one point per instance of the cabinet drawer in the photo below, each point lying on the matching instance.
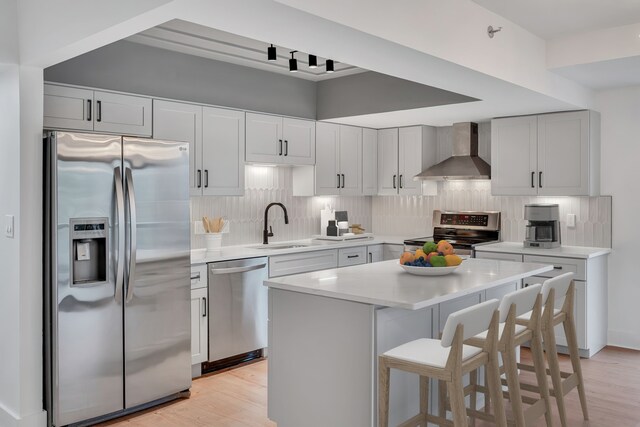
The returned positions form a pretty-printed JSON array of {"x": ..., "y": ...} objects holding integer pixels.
[
  {"x": 284, "y": 265},
  {"x": 198, "y": 276},
  {"x": 499, "y": 256},
  {"x": 352, "y": 256},
  {"x": 561, "y": 266}
]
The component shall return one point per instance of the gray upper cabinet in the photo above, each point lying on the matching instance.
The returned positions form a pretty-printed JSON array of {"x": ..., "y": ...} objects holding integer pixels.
[
  {"x": 68, "y": 108},
  {"x": 338, "y": 160},
  {"x": 546, "y": 155},
  {"x": 178, "y": 121},
  {"x": 402, "y": 154},
  {"x": 280, "y": 140},
  {"x": 88, "y": 110},
  {"x": 216, "y": 139},
  {"x": 223, "y": 144},
  {"x": 369, "y": 162}
]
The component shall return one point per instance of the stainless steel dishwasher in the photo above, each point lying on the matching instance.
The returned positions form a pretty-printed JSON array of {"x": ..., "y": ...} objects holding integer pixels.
[{"x": 237, "y": 307}]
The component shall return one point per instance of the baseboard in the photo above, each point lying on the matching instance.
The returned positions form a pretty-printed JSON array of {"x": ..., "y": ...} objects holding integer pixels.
[
  {"x": 624, "y": 339},
  {"x": 9, "y": 419}
]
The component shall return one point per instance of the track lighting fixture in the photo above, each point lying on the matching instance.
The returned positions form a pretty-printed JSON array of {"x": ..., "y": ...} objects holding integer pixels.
[
  {"x": 329, "y": 66},
  {"x": 271, "y": 53},
  {"x": 313, "y": 61},
  {"x": 293, "y": 62}
]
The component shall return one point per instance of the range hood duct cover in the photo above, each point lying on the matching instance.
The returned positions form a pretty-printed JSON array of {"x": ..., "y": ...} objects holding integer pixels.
[{"x": 465, "y": 163}]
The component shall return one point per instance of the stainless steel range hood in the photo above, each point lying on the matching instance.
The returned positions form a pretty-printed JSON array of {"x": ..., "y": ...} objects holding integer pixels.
[{"x": 465, "y": 163}]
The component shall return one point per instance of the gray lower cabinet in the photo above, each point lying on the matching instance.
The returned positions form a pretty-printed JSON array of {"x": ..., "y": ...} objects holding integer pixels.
[
  {"x": 352, "y": 256},
  {"x": 199, "y": 315},
  {"x": 392, "y": 251},
  {"x": 590, "y": 307},
  {"x": 375, "y": 253},
  {"x": 304, "y": 262}
]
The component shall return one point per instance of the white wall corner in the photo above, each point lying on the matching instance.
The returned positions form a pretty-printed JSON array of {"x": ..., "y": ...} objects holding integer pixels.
[{"x": 626, "y": 339}]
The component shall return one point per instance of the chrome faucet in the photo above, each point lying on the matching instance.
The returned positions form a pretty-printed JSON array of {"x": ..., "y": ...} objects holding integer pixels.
[{"x": 269, "y": 233}]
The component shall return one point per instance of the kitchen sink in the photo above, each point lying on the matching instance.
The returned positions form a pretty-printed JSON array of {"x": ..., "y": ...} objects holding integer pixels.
[{"x": 285, "y": 246}]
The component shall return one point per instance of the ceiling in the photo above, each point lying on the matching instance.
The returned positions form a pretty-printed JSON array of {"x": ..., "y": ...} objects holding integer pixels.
[
  {"x": 553, "y": 18},
  {"x": 198, "y": 40}
]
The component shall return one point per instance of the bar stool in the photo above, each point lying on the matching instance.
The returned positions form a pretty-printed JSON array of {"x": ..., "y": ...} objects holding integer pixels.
[
  {"x": 554, "y": 289},
  {"x": 447, "y": 360},
  {"x": 512, "y": 336}
]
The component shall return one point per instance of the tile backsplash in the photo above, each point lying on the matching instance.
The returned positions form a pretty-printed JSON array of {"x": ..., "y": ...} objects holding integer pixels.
[
  {"x": 263, "y": 185},
  {"x": 412, "y": 215}
]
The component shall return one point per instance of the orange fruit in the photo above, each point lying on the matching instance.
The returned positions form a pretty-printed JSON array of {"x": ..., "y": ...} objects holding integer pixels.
[
  {"x": 445, "y": 247},
  {"x": 452, "y": 260},
  {"x": 420, "y": 253},
  {"x": 406, "y": 257}
]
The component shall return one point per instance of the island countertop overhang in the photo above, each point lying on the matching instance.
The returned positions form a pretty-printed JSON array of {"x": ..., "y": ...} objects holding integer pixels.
[{"x": 385, "y": 284}]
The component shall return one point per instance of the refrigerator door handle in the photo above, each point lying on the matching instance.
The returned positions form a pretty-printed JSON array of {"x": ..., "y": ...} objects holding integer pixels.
[
  {"x": 117, "y": 178},
  {"x": 131, "y": 195}
]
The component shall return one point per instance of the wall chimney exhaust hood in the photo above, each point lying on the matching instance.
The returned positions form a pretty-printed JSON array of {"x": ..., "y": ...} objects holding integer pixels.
[{"x": 465, "y": 163}]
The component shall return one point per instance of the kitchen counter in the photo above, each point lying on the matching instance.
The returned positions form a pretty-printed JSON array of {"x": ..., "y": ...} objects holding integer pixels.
[
  {"x": 328, "y": 328},
  {"x": 226, "y": 253},
  {"x": 580, "y": 252},
  {"x": 387, "y": 284}
]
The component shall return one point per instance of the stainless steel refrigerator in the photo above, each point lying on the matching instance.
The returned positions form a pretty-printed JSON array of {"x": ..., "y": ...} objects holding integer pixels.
[{"x": 117, "y": 287}]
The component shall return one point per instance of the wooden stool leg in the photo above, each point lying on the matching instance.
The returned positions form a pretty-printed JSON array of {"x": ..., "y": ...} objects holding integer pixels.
[
  {"x": 541, "y": 375},
  {"x": 383, "y": 393},
  {"x": 495, "y": 391},
  {"x": 473, "y": 398},
  {"x": 511, "y": 369},
  {"x": 424, "y": 400},
  {"x": 554, "y": 368},
  {"x": 572, "y": 340},
  {"x": 487, "y": 401},
  {"x": 458, "y": 408},
  {"x": 442, "y": 399}
]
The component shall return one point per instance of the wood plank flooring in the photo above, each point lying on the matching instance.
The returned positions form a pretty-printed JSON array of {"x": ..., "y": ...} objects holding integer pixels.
[{"x": 238, "y": 398}]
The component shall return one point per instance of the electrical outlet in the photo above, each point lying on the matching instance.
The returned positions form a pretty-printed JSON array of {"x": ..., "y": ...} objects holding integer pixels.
[
  {"x": 8, "y": 226},
  {"x": 571, "y": 220}
]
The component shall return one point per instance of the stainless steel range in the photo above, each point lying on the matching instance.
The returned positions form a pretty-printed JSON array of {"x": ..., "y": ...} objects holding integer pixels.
[{"x": 463, "y": 229}]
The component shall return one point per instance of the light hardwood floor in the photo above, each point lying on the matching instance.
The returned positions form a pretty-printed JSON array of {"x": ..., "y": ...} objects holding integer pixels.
[{"x": 238, "y": 398}]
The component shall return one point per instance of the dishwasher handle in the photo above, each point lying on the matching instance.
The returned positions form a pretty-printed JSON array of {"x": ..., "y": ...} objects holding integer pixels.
[{"x": 233, "y": 270}]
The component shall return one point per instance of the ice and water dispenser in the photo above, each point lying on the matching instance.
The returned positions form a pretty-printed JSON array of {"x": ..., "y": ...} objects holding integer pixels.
[{"x": 89, "y": 251}]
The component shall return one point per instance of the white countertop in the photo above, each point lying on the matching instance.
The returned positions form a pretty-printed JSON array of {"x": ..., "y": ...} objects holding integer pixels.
[
  {"x": 582, "y": 252},
  {"x": 387, "y": 284},
  {"x": 253, "y": 250}
]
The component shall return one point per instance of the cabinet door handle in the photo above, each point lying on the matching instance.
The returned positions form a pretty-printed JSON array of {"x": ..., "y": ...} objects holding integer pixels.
[
  {"x": 280, "y": 145},
  {"x": 338, "y": 175},
  {"x": 370, "y": 257},
  {"x": 400, "y": 180},
  {"x": 286, "y": 147},
  {"x": 540, "y": 179},
  {"x": 99, "y": 112},
  {"x": 206, "y": 178},
  {"x": 342, "y": 181},
  {"x": 88, "y": 110},
  {"x": 533, "y": 174},
  {"x": 204, "y": 307},
  {"x": 199, "y": 178},
  {"x": 353, "y": 256},
  {"x": 557, "y": 267},
  {"x": 394, "y": 181},
  {"x": 195, "y": 276}
]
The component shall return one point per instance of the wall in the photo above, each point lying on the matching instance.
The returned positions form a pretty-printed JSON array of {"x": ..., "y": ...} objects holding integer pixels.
[
  {"x": 147, "y": 70},
  {"x": 412, "y": 215},
  {"x": 264, "y": 185},
  {"x": 369, "y": 93},
  {"x": 620, "y": 110}
]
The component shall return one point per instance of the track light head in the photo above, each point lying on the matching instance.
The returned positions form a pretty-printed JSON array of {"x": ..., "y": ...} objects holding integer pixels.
[
  {"x": 293, "y": 62},
  {"x": 313, "y": 61},
  {"x": 329, "y": 66},
  {"x": 271, "y": 53}
]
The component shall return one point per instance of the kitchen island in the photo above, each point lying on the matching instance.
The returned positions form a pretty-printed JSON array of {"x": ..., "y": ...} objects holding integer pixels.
[{"x": 327, "y": 328}]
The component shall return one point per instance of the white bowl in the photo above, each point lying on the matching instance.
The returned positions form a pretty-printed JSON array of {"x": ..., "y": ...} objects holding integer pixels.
[{"x": 429, "y": 271}]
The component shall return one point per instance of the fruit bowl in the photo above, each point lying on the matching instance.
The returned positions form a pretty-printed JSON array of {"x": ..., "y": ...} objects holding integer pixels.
[{"x": 429, "y": 271}]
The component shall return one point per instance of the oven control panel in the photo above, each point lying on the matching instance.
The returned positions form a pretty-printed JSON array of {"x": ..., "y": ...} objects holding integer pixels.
[{"x": 464, "y": 219}]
